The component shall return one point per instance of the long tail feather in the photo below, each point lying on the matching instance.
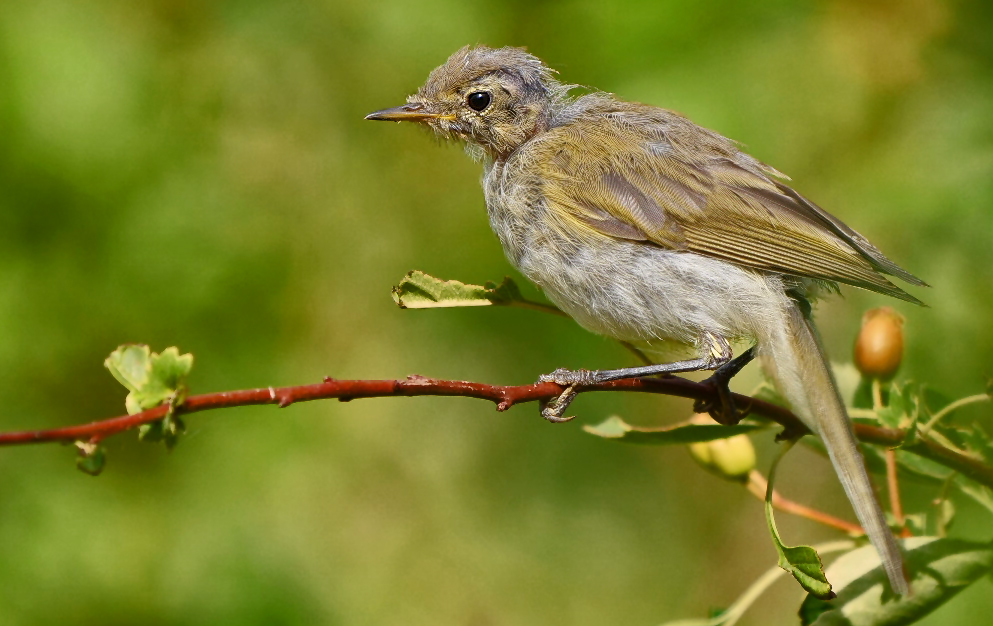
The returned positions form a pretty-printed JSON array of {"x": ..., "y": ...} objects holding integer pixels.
[{"x": 793, "y": 355}]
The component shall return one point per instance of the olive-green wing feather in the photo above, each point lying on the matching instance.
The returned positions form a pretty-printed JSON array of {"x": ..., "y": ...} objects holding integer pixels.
[{"x": 619, "y": 180}]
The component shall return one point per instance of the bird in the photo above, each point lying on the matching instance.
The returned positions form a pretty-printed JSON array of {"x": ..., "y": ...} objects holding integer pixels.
[{"x": 646, "y": 227}]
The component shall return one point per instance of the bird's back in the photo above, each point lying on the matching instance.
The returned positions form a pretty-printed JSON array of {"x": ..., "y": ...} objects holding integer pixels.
[{"x": 609, "y": 168}]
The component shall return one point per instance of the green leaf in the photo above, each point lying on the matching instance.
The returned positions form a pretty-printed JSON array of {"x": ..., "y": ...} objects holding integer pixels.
[
  {"x": 982, "y": 494},
  {"x": 802, "y": 562},
  {"x": 129, "y": 364},
  {"x": 167, "y": 430},
  {"x": 617, "y": 429},
  {"x": 922, "y": 467},
  {"x": 418, "y": 290},
  {"x": 862, "y": 398},
  {"x": 933, "y": 398},
  {"x": 902, "y": 406},
  {"x": 91, "y": 459},
  {"x": 972, "y": 439},
  {"x": 504, "y": 293},
  {"x": 944, "y": 515},
  {"x": 151, "y": 432},
  {"x": 940, "y": 569},
  {"x": 170, "y": 368},
  {"x": 151, "y": 378}
]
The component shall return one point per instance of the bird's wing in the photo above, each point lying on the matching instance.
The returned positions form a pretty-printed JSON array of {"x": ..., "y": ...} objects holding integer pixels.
[{"x": 618, "y": 180}]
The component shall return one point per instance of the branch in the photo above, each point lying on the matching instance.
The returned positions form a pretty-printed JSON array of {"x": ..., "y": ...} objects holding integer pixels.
[
  {"x": 503, "y": 396},
  {"x": 345, "y": 390}
]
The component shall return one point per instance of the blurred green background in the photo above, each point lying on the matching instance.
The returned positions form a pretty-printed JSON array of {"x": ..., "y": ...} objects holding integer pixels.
[{"x": 198, "y": 173}]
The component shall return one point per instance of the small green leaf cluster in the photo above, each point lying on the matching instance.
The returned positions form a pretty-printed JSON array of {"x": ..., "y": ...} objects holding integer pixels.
[
  {"x": 152, "y": 379},
  {"x": 926, "y": 415}
]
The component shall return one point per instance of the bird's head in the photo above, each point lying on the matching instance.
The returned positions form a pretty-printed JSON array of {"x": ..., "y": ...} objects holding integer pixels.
[{"x": 492, "y": 98}]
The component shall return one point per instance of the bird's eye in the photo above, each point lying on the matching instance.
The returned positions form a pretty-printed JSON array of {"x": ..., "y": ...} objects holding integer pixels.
[{"x": 478, "y": 100}]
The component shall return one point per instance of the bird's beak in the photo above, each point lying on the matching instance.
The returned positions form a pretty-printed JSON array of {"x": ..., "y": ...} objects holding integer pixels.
[{"x": 413, "y": 112}]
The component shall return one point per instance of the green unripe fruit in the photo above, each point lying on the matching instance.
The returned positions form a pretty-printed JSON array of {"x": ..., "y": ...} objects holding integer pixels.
[{"x": 732, "y": 458}]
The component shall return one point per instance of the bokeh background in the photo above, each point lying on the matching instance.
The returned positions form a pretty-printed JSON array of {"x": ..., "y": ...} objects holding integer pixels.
[{"x": 198, "y": 173}]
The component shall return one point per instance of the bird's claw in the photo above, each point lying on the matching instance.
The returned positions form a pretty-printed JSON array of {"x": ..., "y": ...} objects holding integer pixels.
[
  {"x": 554, "y": 409},
  {"x": 724, "y": 409}
]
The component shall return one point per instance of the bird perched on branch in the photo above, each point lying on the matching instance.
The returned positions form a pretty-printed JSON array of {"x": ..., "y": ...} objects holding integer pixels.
[{"x": 643, "y": 226}]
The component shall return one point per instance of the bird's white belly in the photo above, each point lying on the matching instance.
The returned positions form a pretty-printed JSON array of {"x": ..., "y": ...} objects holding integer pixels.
[{"x": 634, "y": 291}]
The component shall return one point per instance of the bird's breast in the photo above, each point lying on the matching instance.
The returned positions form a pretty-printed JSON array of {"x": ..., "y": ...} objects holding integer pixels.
[{"x": 517, "y": 215}]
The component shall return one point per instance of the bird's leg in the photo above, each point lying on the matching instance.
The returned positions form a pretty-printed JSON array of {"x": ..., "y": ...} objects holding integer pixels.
[
  {"x": 724, "y": 409},
  {"x": 717, "y": 354}
]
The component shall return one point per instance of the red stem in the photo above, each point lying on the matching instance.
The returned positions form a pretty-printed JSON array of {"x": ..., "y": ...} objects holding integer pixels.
[
  {"x": 504, "y": 397},
  {"x": 345, "y": 390},
  {"x": 757, "y": 485},
  {"x": 893, "y": 488}
]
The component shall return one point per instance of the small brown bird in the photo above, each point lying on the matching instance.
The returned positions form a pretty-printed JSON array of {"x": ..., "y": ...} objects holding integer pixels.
[{"x": 645, "y": 227}]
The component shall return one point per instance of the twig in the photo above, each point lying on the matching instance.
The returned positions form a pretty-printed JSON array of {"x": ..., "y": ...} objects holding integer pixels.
[
  {"x": 537, "y": 306},
  {"x": 892, "y": 479},
  {"x": 757, "y": 485},
  {"x": 965, "y": 464},
  {"x": 893, "y": 487},
  {"x": 961, "y": 402},
  {"x": 504, "y": 397},
  {"x": 345, "y": 390},
  {"x": 877, "y": 394}
]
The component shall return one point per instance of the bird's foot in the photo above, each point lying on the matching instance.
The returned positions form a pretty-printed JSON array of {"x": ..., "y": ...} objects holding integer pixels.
[
  {"x": 723, "y": 409},
  {"x": 554, "y": 410}
]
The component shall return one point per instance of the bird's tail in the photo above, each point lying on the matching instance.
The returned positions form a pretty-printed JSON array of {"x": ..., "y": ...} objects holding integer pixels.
[{"x": 793, "y": 356}]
